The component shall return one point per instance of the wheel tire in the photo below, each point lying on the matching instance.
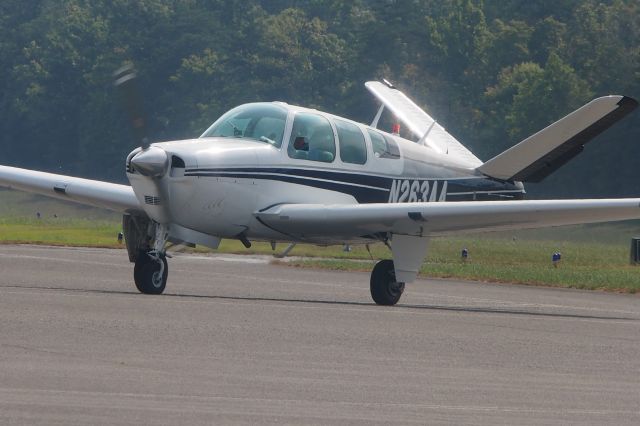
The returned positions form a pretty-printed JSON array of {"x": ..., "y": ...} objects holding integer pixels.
[
  {"x": 146, "y": 275},
  {"x": 384, "y": 288},
  {"x": 142, "y": 259}
]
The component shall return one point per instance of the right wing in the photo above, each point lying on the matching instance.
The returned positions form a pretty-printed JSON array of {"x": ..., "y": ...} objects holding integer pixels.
[
  {"x": 410, "y": 224},
  {"x": 441, "y": 218},
  {"x": 111, "y": 196}
]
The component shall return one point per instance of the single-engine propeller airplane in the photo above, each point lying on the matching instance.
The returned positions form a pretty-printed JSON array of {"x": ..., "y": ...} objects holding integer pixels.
[{"x": 282, "y": 173}]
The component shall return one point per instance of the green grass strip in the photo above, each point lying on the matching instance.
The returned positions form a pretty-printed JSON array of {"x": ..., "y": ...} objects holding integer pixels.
[{"x": 585, "y": 264}]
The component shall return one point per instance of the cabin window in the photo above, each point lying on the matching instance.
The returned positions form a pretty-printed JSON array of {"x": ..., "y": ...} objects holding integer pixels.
[
  {"x": 260, "y": 122},
  {"x": 383, "y": 146},
  {"x": 392, "y": 147},
  {"x": 352, "y": 146},
  {"x": 312, "y": 138}
]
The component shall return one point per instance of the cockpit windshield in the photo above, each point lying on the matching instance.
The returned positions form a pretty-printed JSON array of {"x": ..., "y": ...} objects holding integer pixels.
[{"x": 261, "y": 122}]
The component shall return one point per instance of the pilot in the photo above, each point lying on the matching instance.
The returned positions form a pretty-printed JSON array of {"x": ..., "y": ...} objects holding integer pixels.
[{"x": 300, "y": 147}]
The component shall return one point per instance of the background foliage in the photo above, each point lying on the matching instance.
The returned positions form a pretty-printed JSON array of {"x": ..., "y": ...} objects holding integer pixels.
[{"x": 492, "y": 72}]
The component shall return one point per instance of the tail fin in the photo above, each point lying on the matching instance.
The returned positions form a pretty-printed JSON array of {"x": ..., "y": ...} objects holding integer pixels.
[{"x": 543, "y": 153}]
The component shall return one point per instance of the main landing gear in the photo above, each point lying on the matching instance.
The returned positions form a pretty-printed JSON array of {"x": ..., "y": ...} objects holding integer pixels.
[{"x": 384, "y": 288}]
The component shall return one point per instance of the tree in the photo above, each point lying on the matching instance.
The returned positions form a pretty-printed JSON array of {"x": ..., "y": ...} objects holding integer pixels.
[
  {"x": 528, "y": 97},
  {"x": 298, "y": 60},
  {"x": 490, "y": 72}
]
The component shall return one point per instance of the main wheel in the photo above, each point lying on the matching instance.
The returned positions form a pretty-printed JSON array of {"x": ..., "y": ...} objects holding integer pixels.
[
  {"x": 385, "y": 290},
  {"x": 142, "y": 259},
  {"x": 148, "y": 276}
]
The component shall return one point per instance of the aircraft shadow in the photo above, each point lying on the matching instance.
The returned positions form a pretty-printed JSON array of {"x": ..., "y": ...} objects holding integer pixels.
[{"x": 427, "y": 307}]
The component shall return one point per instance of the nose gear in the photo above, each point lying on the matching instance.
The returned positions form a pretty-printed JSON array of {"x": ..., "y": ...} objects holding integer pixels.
[{"x": 151, "y": 269}]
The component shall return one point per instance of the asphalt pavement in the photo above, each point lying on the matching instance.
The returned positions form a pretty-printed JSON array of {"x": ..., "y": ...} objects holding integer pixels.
[{"x": 237, "y": 340}]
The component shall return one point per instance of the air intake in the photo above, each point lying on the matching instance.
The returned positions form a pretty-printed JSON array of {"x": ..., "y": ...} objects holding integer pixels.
[{"x": 151, "y": 200}]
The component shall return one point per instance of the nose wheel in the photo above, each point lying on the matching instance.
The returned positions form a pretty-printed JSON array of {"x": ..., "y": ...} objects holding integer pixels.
[
  {"x": 150, "y": 273},
  {"x": 384, "y": 288}
]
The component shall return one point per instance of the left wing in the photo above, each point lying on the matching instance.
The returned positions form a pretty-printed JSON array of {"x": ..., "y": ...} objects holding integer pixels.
[
  {"x": 96, "y": 193},
  {"x": 439, "y": 218}
]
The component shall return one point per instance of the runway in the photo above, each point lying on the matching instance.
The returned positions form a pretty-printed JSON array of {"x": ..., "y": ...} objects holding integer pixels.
[{"x": 236, "y": 340}]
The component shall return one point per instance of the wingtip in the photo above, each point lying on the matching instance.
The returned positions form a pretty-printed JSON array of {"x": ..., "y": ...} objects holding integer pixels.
[{"x": 628, "y": 103}]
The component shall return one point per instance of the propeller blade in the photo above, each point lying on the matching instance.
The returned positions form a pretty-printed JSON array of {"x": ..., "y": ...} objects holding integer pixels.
[{"x": 125, "y": 81}]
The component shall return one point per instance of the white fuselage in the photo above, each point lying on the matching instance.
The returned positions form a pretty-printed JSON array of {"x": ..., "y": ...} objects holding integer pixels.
[{"x": 214, "y": 185}]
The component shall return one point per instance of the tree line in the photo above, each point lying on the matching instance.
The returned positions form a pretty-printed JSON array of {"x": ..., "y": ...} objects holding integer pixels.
[{"x": 491, "y": 72}]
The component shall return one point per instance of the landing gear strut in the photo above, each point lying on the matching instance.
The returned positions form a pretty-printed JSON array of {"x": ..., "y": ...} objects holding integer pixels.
[{"x": 384, "y": 288}]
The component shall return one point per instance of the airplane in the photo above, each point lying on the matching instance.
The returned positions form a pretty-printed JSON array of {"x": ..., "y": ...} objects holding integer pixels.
[{"x": 275, "y": 172}]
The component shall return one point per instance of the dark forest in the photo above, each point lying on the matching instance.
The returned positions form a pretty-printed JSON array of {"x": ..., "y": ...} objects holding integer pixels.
[{"x": 491, "y": 72}]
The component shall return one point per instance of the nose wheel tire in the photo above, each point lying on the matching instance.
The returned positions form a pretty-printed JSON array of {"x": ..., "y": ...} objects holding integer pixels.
[
  {"x": 384, "y": 288},
  {"x": 150, "y": 275}
]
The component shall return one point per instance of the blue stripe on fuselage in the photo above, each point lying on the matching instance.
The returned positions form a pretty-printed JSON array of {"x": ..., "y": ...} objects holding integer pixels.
[{"x": 364, "y": 187}]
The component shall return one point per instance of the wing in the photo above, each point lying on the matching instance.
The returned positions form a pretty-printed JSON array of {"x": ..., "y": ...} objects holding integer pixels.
[
  {"x": 440, "y": 218},
  {"x": 419, "y": 123},
  {"x": 107, "y": 195},
  {"x": 409, "y": 225}
]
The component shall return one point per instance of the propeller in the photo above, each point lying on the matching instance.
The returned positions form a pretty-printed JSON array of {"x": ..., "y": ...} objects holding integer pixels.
[
  {"x": 125, "y": 80},
  {"x": 150, "y": 161}
]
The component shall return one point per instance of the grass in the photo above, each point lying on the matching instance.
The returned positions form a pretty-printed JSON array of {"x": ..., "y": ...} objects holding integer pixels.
[
  {"x": 584, "y": 265},
  {"x": 62, "y": 232},
  {"x": 594, "y": 256},
  {"x": 60, "y": 223}
]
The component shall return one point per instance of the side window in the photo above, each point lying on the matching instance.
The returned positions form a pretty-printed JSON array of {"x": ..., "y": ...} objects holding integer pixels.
[
  {"x": 392, "y": 148},
  {"x": 383, "y": 147},
  {"x": 266, "y": 129},
  {"x": 312, "y": 138},
  {"x": 352, "y": 146}
]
